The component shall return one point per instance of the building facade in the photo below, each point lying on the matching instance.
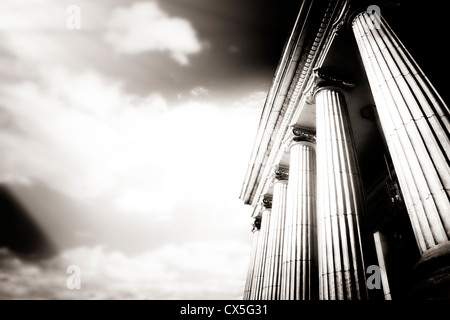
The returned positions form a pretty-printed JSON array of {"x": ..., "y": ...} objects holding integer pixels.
[{"x": 349, "y": 176}]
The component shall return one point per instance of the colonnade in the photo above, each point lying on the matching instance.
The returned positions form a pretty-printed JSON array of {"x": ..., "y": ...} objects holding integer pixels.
[{"x": 310, "y": 245}]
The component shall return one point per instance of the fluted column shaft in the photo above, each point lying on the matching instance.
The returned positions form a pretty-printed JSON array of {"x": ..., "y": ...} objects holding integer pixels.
[
  {"x": 416, "y": 126},
  {"x": 300, "y": 254},
  {"x": 249, "y": 283},
  {"x": 340, "y": 201},
  {"x": 272, "y": 268},
  {"x": 260, "y": 259}
]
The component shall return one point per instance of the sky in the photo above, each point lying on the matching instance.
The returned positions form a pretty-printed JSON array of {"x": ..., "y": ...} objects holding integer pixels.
[{"x": 125, "y": 132}]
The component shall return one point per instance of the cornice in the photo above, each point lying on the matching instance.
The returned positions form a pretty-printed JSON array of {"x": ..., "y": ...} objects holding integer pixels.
[
  {"x": 304, "y": 70},
  {"x": 273, "y": 109}
]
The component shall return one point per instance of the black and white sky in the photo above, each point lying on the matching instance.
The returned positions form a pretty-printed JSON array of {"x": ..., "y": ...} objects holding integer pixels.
[{"x": 124, "y": 144}]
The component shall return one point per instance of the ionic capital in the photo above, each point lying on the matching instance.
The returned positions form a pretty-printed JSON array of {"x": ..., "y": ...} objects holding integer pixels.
[
  {"x": 256, "y": 224},
  {"x": 323, "y": 79},
  {"x": 266, "y": 201},
  {"x": 280, "y": 174},
  {"x": 298, "y": 135}
]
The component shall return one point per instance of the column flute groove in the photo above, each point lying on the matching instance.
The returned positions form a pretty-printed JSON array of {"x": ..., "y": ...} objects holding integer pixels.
[
  {"x": 300, "y": 256},
  {"x": 341, "y": 201},
  {"x": 258, "y": 275},
  {"x": 272, "y": 268},
  {"x": 416, "y": 125},
  {"x": 250, "y": 284}
]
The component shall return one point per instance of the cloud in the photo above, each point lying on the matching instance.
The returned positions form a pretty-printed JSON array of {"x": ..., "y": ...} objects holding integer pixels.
[
  {"x": 37, "y": 32},
  {"x": 199, "y": 91},
  {"x": 86, "y": 137},
  {"x": 192, "y": 270},
  {"x": 8, "y": 178},
  {"x": 157, "y": 172},
  {"x": 28, "y": 18},
  {"x": 145, "y": 27},
  {"x": 82, "y": 135}
]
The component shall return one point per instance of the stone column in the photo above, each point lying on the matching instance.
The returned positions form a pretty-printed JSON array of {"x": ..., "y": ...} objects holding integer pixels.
[
  {"x": 260, "y": 259},
  {"x": 300, "y": 276},
  {"x": 272, "y": 268},
  {"x": 341, "y": 204},
  {"x": 415, "y": 122},
  {"x": 249, "y": 283},
  {"x": 379, "y": 241}
]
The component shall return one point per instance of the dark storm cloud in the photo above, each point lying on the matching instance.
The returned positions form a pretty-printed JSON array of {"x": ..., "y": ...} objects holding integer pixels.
[
  {"x": 18, "y": 230},
  {"x": 242, "y": 42},
  {"x": 246, "y": 39}
]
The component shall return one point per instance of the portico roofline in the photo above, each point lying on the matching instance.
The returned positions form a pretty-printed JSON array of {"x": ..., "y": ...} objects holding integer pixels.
[{"x": 305, "y": 46}]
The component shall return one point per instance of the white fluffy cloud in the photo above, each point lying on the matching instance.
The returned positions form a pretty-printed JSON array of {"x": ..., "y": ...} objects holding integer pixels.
[
  {"x": 38, "y": 31},
  {"x": 86, "y": 137},
  {"x": 190, "y": 271},
  {"x": 144, "y": 26}
]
